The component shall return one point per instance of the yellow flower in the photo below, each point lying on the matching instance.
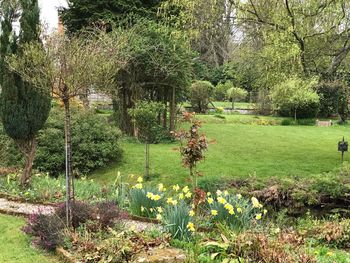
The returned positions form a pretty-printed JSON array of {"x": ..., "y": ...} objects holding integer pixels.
[
  {"x": 159, "y": 209},
  {"x": 185, "y": 189},
  {"x": 258, "y": 216},
  {"x": 193, "y": 206},
  {"x": 138, "y": 186},
  {"x": 239, "y": 196},
  {"x": 231, "y": 212},
  {"x": 188, "y": 195},
  {"x": 190, "y": 227},
  {"x": 228, "y": 206},
  {"x": 191, "y": 213},
  {"x": 329, "y": 253},
  {"x": 255, "y": 202},
  {"x": 159, "y": 217},
  {"x": 218, "y": 193},
  {"x": 221, "y": 200},
  {"x": 142, "y": 209},
  {"x": 149, "y": 195},
  {"x": 176, "y": 187},
  {"x": 214, "y": 212},
  {"x": 208, "y": 194},
  {"x": 174, "y": 202},
  {"x": 210, "y": 200},
  {"x": 225, "y": 193},
  {"x": 156, "y": 197},
  {"x": 140, "y": 179},
  {"x": 169, "y": 200},
  {"x": 151, "y": 210},
  {"x": 239, "y": 210},
  {"x": 161, "y": 187},
  {"x": 181, "y": 196},
  {"x": 265, "y": 211}
]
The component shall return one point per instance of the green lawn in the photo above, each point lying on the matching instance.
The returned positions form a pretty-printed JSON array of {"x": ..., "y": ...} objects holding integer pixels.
[
  {"x": 15, "y": 246},
  {"x": 238, "y": 148}
]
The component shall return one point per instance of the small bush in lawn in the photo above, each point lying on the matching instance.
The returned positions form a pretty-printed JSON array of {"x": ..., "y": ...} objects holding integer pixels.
[
  {"x": 81, "y": 213},
  {"x": 47, "y": 230},
  {"x": 234, "y": 210},
  {"x": 177, "y": 220},
  {"x": 144, "y": 201},
  {"x": 286, "y": 122}
]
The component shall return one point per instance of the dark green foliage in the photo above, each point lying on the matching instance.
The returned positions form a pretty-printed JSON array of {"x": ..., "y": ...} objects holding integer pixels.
[
  {"x": 24, "y": 108},
  {"x": 307, "y": 111},
  {"x": 95, "y": 143},
  {"x": 80, "y": 14},
  {"x": 333, "y": 99},
  {"x": 9, "y": 153},
  {"x": 199, "y": 95}
]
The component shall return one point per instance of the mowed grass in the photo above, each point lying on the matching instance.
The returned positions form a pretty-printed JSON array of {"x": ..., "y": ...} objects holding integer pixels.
[
  {"x": 15, "y": 246},
  {"x": 239, "y": 148}
]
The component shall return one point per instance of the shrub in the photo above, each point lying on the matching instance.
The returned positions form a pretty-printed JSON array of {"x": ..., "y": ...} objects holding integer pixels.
[
  {"x": 200, "y": 93},
  {"x": 95, "y": 143},
  {"x": 235, "y": 94},
  {"x": 333, "y": 99},
  {"x": 81, "y": 213},
  {"x": 106, "y": 213},
  {"x": 9, "y": 153},
  {"x": 220, "y": 91},
  {"x": 47, "y": 230},
  {"x": 286, "y": 122}
]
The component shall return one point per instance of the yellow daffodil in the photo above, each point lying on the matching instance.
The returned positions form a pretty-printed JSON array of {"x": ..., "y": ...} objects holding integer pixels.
[
  {"x": 239, "y": 196},
  {"x": 138, "y": 186},
  {"x": 228, "y": 206},
  {"x": 258, "y": 216},
  {"x": 174, "y": 202},
  {"x": 214, "y": 212},
  {"x": 190, "y": 227},
  {"x": 176, "y": 188},
  {"x": 192, "y": 206},
  {"x": 185, "y": 189},
  {"x": 330, "y": 254},
  {"x": 255, "y": 202},
  {"x": 149, "y": 195},
  {"x": 140, "y": 179},
  {"x": 159, "y": 217},
  {"x": 160, "y": 209},
  {"x": 265, "y": 211},
  {"x": 191, "y": 213},
  {"x": 156, "y": 197},
  {"x": 210, "y": 200},
  {"x": 142, "y": 209},
  {"x": 221, "y": 200},
  {"x": 218, "y": 193},
  {"x": 169, "y": 200},
  {"x": 239, "y": 210},
  {"x": 231, "y": 212},
  {"x": 188, "y": 195},
  {"x": 151, "y": 210},
  {"x": 225, "y": 193},
  {"x": 181, "y": 196},
  {"x": 161, "y": 187},
  {"x": 208, "y": 194}
]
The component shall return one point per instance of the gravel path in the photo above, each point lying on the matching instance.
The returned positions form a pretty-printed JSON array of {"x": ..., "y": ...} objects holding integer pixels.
[{"x": 23, "y": 208}]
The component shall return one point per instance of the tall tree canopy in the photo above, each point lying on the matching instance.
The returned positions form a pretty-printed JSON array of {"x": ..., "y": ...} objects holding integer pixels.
[
  {"x": 84, "y": 13},
  {"x": 24, "y": 109}
]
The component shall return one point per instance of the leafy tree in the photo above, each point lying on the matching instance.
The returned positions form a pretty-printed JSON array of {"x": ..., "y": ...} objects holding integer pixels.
[
  {"x": 68, "y": 66},
  {"x": 235, "y": 94},
  {"x": 145, "y": 116},
  {"x": 193, "y": 146},
  {"x": 294, "y": 94},
  {"x": 200, "y": 94},
  {"x": 24, "y": 109}
]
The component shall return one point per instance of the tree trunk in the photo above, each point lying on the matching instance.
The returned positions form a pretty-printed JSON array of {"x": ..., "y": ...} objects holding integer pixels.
[
  {"x": 165, "y": 112},
  {"x": 172, "y": 110},
  {"x": 147, "y": 160},
  {"x": 28, "y": 149},
  {"x": 68, "y": 147}
]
